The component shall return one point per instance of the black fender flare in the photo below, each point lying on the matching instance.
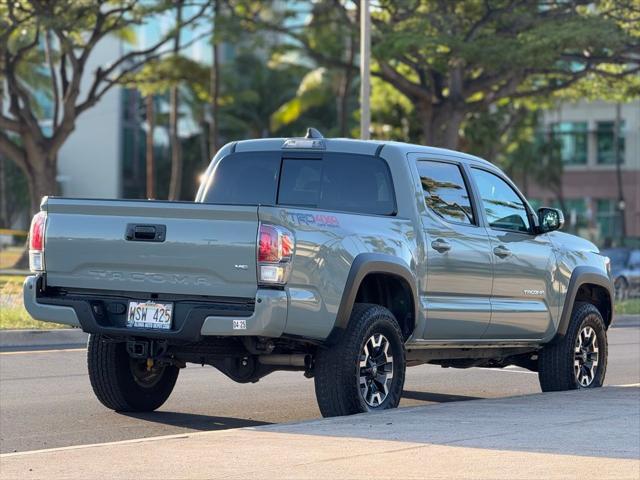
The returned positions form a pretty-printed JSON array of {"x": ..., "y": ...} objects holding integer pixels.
[
  {"x": 363, "y": 265},
  {"x": 580, "y": 276}
]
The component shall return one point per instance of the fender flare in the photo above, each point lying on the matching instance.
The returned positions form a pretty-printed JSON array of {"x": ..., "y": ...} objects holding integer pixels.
[
  {"x": 364, "y": 264},
  {"x": 580, "y": 276}
]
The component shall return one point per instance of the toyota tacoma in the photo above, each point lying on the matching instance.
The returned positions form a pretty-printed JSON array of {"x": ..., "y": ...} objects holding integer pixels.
[{"x": 347, "y": 260}]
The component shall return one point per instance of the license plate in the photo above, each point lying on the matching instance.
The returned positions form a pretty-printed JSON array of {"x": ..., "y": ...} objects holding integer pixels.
[{"x": 150, "y": 315}]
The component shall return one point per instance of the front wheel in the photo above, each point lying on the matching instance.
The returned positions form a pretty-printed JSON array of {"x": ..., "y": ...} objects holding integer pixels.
[
  {"x": 579, "y": 360},
  {"x": 126, "y": 384},
  {"x": 365, "y": 370}
]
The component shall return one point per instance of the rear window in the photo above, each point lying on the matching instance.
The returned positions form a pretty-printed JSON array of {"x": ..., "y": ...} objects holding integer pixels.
[
  {"x": 244, "y": 179},
  {"x": 342, "y": 182}
]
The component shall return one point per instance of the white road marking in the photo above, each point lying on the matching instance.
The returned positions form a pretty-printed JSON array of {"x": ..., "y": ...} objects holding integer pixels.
[
  {"x": 509, "y": 369},
  {"x": 24, "y": 352}
]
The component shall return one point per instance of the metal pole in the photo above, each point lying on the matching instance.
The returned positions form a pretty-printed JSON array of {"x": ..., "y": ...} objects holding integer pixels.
[
  {"x": 618, "y": 159},
  {"x": 365, "y": 60}
]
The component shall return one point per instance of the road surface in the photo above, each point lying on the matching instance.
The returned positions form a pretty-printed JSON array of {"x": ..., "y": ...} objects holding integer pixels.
[{"x": 46, "y": 399}]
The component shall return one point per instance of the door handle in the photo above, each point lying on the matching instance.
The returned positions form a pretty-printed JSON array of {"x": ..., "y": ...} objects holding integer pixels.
[
  {"x": 441, "y": 245},
  {"x": 502, "y": 251},
  {"x": 145, "y": 233}
]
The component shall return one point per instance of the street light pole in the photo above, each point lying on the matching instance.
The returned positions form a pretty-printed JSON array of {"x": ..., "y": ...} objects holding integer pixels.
[{"x": 365, "y": 61}]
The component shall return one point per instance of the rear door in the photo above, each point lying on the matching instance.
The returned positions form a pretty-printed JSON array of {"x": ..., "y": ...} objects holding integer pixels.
[
  {"x": 523, "y": 263},
  {"x": 459, "y": 269}
]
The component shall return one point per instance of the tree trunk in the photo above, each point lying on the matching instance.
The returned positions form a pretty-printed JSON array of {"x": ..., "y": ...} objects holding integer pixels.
[
  {"x": 175, "y": 183},
  {"x": 151, "y": 167},
  {"x": 214, "y": 128},
  {"x": 440, "y": 124},
  {"x": 42, "y": 182}
]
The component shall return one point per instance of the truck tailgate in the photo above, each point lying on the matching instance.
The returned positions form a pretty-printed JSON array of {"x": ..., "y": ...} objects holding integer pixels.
[{"x": 120, "y": 245}]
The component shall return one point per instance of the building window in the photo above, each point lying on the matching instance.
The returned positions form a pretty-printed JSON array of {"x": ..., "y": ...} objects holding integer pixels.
[
  {"x": 608, "y": 218},
  {"x": 576, "y": 214},
  {"x": 572, "y": 141},
  {"x": 604, "y": 136}
]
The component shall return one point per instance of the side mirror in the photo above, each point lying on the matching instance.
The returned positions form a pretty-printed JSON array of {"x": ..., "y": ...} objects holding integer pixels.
[{"x": 549, "y": 219}]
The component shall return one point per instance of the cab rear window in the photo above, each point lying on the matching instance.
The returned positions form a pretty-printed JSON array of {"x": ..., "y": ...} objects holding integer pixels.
[
  {"x": 339, "y": 182},
  {"x": 244, "y": 179},
  {"x": 335, "y": 181}
]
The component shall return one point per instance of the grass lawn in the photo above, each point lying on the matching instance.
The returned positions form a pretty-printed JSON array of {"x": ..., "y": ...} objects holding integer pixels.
[
  {"x": 9, "y": 256},
  {"x": 12, "y": 312},
  {"x": 628, "y": 307}
]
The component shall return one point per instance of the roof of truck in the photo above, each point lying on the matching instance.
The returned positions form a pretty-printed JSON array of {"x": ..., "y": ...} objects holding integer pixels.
[{"x": 366, "y": 147}]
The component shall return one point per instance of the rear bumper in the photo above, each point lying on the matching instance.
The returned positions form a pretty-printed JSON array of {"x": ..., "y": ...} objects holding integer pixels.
[
  {"x": 46, "y": 313},
  {"x": 192, "y": 319}
]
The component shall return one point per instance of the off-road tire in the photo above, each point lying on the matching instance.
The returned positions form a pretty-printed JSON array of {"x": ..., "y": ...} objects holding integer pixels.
[
  {"x": 113, "y": 381},
  {"x": 337, "y": 368},
  {"x": 556, "y": 361}
]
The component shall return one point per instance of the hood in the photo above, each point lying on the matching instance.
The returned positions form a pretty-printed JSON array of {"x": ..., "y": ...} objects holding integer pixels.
[{"x": 573, "y": 243}]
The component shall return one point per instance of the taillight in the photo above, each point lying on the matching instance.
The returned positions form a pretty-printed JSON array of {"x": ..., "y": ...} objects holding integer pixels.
[
  {"x": 275, "y": 251},
  {"x": 36, "y": 242}
]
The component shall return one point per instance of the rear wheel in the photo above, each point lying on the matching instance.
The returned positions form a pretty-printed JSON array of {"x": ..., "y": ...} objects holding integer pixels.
[
  {"x": 579, "y": 360},
  {"x": 126, "y": 384},
  {"x": 365, "y": 370}
]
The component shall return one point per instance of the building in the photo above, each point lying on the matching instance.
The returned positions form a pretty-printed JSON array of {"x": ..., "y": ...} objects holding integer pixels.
[{"x": 589, "y": 186}]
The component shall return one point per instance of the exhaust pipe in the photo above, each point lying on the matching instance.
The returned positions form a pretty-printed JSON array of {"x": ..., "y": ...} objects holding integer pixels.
[{"x": 293, "y": 360}]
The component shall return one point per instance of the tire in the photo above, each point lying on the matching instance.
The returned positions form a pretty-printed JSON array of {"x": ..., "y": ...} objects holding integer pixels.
[
  {"x": 340, "y": 368},
  {"x": 122, "y": 383},
  {"x": 556, "y": 368}
]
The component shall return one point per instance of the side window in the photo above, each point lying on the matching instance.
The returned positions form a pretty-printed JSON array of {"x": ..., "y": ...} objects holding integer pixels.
[
  {"x": 341, "y": 182},
  {"x": 504, "y": 208},
  {"x": 445, "y": 192}
]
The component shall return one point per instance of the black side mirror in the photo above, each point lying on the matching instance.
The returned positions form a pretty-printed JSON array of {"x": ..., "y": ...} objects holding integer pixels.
[{"x": 549, "y": 219}]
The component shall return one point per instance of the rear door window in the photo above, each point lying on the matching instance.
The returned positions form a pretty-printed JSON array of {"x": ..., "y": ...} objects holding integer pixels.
[
  {"x": 244, "y": 179},
  {"x": 445, "y": 192},
  {"x": 340, "y": 182}
]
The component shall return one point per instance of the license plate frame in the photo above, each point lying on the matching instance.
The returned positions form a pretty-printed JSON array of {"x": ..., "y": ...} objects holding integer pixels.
[{"x": 150, "y": 315}]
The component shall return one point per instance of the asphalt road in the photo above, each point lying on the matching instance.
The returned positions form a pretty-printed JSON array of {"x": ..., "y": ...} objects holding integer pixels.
[{"x": 46, "y": 400}]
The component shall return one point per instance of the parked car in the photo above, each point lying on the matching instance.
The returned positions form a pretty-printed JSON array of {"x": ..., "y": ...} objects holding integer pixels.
[
  {"x": 625, "y": 268},
  {"x": 347, "y": 260}
]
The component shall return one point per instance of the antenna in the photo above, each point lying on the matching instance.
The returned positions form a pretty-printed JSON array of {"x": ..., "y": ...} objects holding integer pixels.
[{"x": 313, "y": 133}]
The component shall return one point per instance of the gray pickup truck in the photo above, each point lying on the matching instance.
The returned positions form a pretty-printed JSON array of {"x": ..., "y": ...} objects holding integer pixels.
[{"x": 347, "y": 260}]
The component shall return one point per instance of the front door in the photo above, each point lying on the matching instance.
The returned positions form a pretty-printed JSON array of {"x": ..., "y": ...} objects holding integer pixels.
[
  {"x": 523, "y": 295},
  {"x": 457, "y": 298}
]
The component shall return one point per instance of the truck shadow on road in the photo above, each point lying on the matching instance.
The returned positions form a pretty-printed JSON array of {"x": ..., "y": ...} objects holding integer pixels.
[
  {"x": 436, "y": 397},
  {"x": 194, "y": 421}
]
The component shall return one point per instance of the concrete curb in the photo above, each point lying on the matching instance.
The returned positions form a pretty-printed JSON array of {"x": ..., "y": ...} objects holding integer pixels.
[{"x": 42, "y": 339}]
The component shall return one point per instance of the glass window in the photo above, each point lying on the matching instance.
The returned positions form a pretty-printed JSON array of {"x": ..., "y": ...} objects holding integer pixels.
[
  {"x": 244, "y": 179},
  {"x": 445, "y": 192},
  {"x": 572, "y": 141},
  {"x": 634, "y": 259},
  {"x": 504, "y": 208},
  {"x": 608, "y": 218},
  {"x": 341, "y": 182},
  {"x": 576, "y": 213},
  {"x": 300, "y": 182},
  {"x": 604, "y": 136}
]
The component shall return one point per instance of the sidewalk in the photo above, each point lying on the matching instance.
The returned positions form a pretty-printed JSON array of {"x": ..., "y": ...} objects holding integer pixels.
[{"x": 575, "y": 434}]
